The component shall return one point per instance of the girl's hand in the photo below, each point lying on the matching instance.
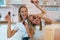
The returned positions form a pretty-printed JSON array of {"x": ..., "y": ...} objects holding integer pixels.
[
  {"x": 8, "y": 18},
  {"x": 26, "y": 25},
  {"x": 40, "y": 15},
  {"x": 36, "y": 2}
]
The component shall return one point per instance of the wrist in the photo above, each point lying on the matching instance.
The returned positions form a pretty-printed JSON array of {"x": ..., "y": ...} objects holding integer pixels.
[
  {"x": 39, "y": 6},
  {"x": 43, "y": 16},
  {"x": 27, "y": 29},
  {"x": 9, "y": 22}
]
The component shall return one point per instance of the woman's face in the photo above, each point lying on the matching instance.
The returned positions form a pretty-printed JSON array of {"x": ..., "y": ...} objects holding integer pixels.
[
  {"x": 34, "y": 19},
  {"x": 24, "y": 12},
  {"x": 35, "y": 2}
]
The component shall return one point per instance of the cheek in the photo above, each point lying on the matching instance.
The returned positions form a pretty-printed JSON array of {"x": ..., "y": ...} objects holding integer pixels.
[
  {"x": 26, "y": 13},
  {"x": 38, "y": 21},
  {"x": 21, "y": 14},
  {"x": 34, "y": 22},
  {"x": 31, "y": 19}
]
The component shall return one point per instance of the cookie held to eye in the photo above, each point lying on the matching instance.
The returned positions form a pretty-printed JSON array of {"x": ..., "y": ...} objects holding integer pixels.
[
  {"x": 24, "y": 22},
  {"x": 31, "y": 1}
]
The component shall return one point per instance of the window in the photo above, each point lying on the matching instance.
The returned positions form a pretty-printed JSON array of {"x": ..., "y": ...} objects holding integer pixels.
[{"x": 2, "y": 3}]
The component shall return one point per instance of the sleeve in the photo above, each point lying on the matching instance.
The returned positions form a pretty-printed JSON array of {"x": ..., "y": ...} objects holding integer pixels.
[{"x": 19, "y": 26}]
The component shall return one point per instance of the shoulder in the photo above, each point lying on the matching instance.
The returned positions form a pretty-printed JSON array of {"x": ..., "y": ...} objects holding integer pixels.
[{"x": 18, "y": 23}]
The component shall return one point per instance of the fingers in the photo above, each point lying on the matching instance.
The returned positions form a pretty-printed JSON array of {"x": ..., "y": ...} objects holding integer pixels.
[
  {"x": 35, "y": 2},
  {"x": 26, "y": 25},
  {"x": 7, "y": 18}
]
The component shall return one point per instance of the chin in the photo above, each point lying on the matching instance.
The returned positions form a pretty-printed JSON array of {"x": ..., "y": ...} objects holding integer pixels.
[
  {"x": 25, "y": 17},
  {"x": 35, "y": 23}
]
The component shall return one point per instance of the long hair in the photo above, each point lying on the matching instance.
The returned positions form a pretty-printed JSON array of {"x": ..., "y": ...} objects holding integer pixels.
[
  {"x": 19, "y": 13},
  {"x": 32, "y": 26}
]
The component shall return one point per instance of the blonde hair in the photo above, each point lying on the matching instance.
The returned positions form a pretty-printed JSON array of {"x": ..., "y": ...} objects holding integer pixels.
[
  {"x": 19, "y": 15},
  {"x": 31, "y": 26}
]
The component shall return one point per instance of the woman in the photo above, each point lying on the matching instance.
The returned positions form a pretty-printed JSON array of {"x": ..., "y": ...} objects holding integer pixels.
[
  {"x": 48, "y": 18},
  {"x": 36, "y": 26},
  {"x": 36, "y": 3},
  {"x": 35, "y": 22},
  {"x": 43, "y": 14},
  {"x": 22, "y": 25}
]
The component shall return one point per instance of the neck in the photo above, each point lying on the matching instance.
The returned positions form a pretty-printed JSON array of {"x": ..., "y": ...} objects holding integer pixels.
[
  {"x": 37, "y": 25},
  {"x": 23, "y": 19}
]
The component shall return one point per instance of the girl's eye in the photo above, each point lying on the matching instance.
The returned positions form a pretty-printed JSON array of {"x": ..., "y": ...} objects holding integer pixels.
[
  {"x": 26, "y": 11},
  {"x": 34, "y": 17},
  {"x": 22, "y": 11},
  {"x": 32, "y": 1},
  {"x": 36, "y": 2}
]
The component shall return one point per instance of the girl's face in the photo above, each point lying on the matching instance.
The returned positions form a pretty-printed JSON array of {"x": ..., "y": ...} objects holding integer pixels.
[
  {"x": 34, "y": 19},
  {"x": 35, "y": 1},
  {"x": 24, "y": 12}
]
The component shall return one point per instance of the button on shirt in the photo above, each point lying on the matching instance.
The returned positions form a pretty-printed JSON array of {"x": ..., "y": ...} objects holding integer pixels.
[{"x": 21, "y": 27}]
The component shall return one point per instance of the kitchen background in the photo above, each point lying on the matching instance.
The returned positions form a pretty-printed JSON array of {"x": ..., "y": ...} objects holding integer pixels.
[{"x": 13, "y": 5}]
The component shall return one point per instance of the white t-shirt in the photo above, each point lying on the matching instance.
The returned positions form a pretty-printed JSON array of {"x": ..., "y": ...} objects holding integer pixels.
[
  {"x": 21, "y": 27},
  {"x": 38, "y": 34}
]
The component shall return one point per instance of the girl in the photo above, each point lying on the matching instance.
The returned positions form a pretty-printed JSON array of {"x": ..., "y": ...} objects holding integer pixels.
[
  {"x": 43, "y": 13},
  {"x": 36, "y": 27},
  {"x": 22, "y": 25},
  {"x": 48, "y": 19},
  {"x": 35, "y": 22}
]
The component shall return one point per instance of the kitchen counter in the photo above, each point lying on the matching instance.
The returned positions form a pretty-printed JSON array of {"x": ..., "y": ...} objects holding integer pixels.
[
  {"x": 4, "y": 22},
  {"x": 56, "y": 23},
  {"x": 52, "y": 32}
]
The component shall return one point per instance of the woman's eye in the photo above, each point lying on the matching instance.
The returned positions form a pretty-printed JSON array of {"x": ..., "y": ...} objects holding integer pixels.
[
  {"x": 22, "y": 11},
  {"x": 36, "y": 2},
  {"x": 26, "y": 11},
  {"x": 34, "y": 17}
]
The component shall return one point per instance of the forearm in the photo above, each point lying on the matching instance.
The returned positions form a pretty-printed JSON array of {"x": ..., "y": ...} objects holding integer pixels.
[
  {"x": 29, "y": 34},
  {"x": 10, "y": 32},
  {"x": 43, "y": 10},
  {"x": 47, "y": 20},
  {"x": 9, "y": 29}
]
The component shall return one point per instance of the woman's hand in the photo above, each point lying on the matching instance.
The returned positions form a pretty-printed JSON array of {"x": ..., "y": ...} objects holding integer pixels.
[
  {"x": 35, "y": 2},
  {"x": 40, "y": 15},
  {"x": 8, "y": 18},
  {"x": 27, "y": 29},
  {"x": 26, "y": 25}
]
